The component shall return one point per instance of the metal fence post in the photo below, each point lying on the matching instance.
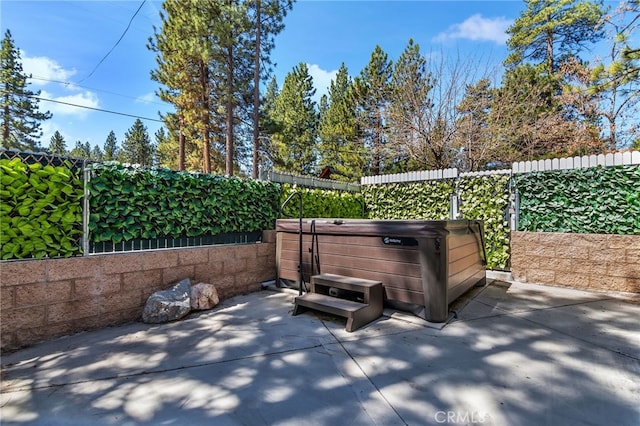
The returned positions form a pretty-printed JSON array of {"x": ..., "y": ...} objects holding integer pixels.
[
  {"x": 454, "y": 202},
  {"x": 85, "y": 209},
  {"x": 454, "y": 208},
  {"x": 514, "y": 210}
]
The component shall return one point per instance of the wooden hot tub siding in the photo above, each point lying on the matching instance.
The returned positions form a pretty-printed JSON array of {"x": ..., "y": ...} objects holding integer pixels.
[
  {"x": 364, "y": 257},
  {"x": 343, "y": 251}
]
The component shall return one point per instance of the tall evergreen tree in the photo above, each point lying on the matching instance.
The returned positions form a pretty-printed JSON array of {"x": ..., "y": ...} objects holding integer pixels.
[
  {"x": 268, "y": 18},
  {"x": 551, "y": 30},
  {"x": 57, "y": 144},
  {"x": 20, "y": 117},
  {"x": 183, "y": 55},
  {"x": 97, "y": 154},
  {"x": 266, "y": 107},
  {"x": 173, "y": 146},
  {"x": 267, "y": 126},
  {"x": 526, "y": 118},
  {"x": 338, "y": 132},
  {"x": 411, "y": 114},
  {"x": 295, "y": 117},
  {"x": 111, "y": 147},
  {"x": 372, "y": 93},
  {"x": 81, "y": 150},
  {"x": 137, "y": 147},
  {"x": 165, "y": 154},
  {"x": 545, "y": 45},
  {"x": 232, "y": 62},
  {"x": 473, "y": 140},
  {"x": 206, "y": 60},
  {"x": 617, "y": 81}
]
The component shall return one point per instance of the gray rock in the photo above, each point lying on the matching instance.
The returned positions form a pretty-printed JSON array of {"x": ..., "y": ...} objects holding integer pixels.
[
  {"x": 204, "y": 296},
  {"x": 168, "y": 305}
]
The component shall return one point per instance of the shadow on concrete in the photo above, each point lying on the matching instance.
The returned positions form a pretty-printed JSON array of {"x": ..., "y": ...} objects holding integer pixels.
[{"x": 515, "y": 354}]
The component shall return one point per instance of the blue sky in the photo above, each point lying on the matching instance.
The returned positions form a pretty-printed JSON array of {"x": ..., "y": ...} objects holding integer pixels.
[{"x": 63, "y": 41}]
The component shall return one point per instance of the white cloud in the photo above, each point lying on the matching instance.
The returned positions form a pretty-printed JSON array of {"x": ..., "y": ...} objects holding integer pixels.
[
  {"x": 478, "y": 28},
  {"x": 147, "y": 98},
  {"x": 70, "y": 105},
  {"x": 44, "y": 69},
  {"x": 321, "y": 80}
]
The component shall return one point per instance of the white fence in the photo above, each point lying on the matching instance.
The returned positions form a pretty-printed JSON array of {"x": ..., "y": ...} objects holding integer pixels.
[
  {"x": 307, "y": 181},
  {"x": 410, "y": 176},
  {"x": 605, "y": 160}
]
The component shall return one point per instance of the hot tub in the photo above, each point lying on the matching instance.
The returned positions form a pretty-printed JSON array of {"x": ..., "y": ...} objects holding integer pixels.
[{"x": 424, "y": 265}]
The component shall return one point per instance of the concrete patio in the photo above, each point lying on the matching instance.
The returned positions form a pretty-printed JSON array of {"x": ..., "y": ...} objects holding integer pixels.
[{"x": 516, "y": 354}]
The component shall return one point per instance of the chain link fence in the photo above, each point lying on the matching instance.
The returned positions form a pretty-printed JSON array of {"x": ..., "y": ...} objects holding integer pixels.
[
  {"x": 83, "y": 244},
  {"x": 77, "y": 164}
]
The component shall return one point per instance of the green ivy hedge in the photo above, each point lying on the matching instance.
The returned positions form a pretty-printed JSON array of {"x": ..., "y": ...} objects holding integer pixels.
[
  {"x": 487, "y": 198},
  {"x": 40, "y": 210},
  {"x": 421, "y": 200},
  {"x": 130, "y": 202},
  {"x": 325, "y": 203},
  {"x": 598, "y": 200}
]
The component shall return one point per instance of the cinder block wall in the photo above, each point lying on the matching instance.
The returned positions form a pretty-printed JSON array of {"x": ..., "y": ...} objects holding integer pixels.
[
  {"x": 43, "y": 299},
  {"x": 581, "y": 261}
]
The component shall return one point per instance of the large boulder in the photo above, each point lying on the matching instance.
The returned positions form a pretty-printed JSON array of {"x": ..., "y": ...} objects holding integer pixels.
[
  {"x": 168, "y": 305},
  {"x": 204, "y": 296}
]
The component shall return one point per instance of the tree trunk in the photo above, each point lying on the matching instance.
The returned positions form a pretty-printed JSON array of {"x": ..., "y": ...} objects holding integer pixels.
[
  {"x": 612, "y": 135},
  {"x": 611, "y": 117},
  {"x": 256, "y": 95},
  {"x": 229, "y": 114},
  {"x": 550, "y": 51},
  {"x": 205, "y": 117},
  {"x": 181, "y": 150},
  {"x": 5, "y": 122},
  {"x": 376, "y": 144},
  {"x": 181, "y": 144}
]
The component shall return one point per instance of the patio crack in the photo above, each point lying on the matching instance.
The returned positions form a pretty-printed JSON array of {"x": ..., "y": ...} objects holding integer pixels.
[
  {"x": 505, "y": 312},
  {"x": 8, "y": 389},
  {"x": 520, "y": 314},
  {"x": 378, "y": 390},
  {"x": 624, "y": 354}
]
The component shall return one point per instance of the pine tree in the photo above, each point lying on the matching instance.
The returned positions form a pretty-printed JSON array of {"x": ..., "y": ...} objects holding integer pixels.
[
  {"x": 339, "y": 147},
  {"x": 473, "y": 139},
  {"x": 526, "y": 118},
  {"x": 81, "y": 150},
  {"x": 137, "y": 148},
  {"x": 617, "y": 82},
  {"x": 232, "y": 62},
  {"x": 412, "y": 118},
  {"x": 111, "y": 147},
  {"x": 552, "y": 30},
  {"x": 57, "y": 144},
  {"x": 294, "y": 115},
  {"x": 267, "y": 126},
  {"x": 372, "y": 92},
  {"x": 183, "y": 55},
  {"x": 553, "y": 117},
  {"x": 97, "y": 154},
  {"x": 268, "y": 17},
  {"x": 266, "y": 107},
  {"x": 207, "y": 69},
  {"x": 20, "y": 117}
]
